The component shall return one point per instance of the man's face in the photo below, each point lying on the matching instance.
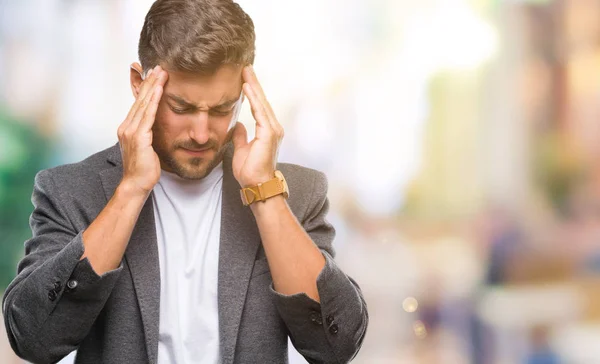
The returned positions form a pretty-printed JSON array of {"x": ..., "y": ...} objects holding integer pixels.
[{"x": 192, "y": 120}]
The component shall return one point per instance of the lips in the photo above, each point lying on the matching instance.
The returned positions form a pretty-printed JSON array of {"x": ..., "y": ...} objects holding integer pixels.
[{"x": 196, "y": 151}]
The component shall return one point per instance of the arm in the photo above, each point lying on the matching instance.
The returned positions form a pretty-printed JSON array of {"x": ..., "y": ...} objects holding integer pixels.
[
  {"x": 106, "y": 239},
  {"x": 322, "y": 308},
  {"x": 45, "y": 320},
  {"x": 67, "y": 276},
  {"x": 294, "y": 260},
  {"x": 304, "y": 273}
]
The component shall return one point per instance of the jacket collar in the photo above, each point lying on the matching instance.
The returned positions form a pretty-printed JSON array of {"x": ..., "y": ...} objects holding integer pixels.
[{"x": 239, "y": 243}]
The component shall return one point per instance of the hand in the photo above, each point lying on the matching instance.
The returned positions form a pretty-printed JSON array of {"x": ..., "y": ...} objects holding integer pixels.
[
  {"x": 254, "y": 162},
  {"x": 141, "y": 166}
]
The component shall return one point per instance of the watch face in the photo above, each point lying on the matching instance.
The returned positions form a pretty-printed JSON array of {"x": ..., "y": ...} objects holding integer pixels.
[{"x": 286, "y": 190}]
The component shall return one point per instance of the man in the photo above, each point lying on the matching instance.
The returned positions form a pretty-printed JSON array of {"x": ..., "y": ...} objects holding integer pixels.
[{"x": 146, "y": 252}]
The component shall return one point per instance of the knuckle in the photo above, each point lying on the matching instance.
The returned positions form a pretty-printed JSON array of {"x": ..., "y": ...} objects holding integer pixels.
[
  {"x": 128, "y": 134},
  {"x": 137, "y": 134}
]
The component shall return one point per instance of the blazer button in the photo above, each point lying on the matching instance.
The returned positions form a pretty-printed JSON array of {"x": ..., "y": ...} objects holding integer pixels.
[
  {"x": 52, "y": 295},
  {"x": 333, "y": 329},
  {"x": 72, "y": 284},
  {"x": 315, "y": 317},
  {"x": 329, "y": 320}
]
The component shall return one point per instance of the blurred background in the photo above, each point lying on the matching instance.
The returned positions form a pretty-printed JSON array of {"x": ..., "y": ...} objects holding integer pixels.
[{"x": 460, "y": 139}]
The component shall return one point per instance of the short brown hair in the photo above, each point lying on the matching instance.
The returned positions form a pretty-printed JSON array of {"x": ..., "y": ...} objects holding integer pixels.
[{"x": 196, "y": 36}]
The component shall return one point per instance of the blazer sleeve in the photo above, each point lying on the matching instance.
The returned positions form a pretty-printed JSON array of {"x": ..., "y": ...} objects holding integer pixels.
[
  {"x": 56, "y": 297},
  {"x": 331, "y": 331}
]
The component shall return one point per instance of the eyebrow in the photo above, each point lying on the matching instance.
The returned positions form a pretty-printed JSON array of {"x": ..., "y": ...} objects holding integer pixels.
[{"x": 182, "y": 102}]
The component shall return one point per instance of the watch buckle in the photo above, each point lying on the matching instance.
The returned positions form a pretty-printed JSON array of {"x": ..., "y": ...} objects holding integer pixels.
[{"x": 249, "y": 199}]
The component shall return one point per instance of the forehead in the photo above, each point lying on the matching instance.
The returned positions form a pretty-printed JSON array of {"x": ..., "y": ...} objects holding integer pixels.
[{"x": 206, "y": 90}]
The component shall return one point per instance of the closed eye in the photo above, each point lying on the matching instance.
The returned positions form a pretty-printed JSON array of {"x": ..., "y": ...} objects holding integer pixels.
[
  {"x": 179, "y": 111},
  {"x": 211, "y": 112},
  {"x": 220, "y": 112}
]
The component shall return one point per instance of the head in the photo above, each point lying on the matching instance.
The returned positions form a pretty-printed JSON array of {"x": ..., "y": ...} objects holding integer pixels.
[{"x": 203, "y": 45}]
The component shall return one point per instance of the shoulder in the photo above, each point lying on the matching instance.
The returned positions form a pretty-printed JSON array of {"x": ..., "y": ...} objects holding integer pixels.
[
  {"x": 307, "y": 186},
  {"x": 303, "y": 179},
  {"x": 82, "y": 174}
]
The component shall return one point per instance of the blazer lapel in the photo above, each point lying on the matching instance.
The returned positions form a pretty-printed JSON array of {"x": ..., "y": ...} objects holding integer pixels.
[
  {"x": 240, "y": 240},
  {"x": 141, "y": 256}
]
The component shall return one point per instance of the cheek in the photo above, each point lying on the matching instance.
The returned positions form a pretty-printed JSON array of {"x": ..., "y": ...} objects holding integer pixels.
[
  {"x": 168, "y": 124},
  {"x": 220, "y": 130},
  {"x": 221, "y": 126}
]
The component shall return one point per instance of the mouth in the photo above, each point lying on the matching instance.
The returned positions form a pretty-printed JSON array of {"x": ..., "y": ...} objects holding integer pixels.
[{"x": 196, "y": 152}]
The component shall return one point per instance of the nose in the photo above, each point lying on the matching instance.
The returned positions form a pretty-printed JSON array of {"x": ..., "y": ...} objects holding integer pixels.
[{"x": 199, "y": 129}]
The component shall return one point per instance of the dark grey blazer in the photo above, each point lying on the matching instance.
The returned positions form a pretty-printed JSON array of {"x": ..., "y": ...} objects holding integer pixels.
[{"x": 58, "y": 304}]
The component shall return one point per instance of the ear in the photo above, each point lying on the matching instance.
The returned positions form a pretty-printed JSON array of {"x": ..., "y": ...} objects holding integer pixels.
[{"x": 135, "y": 78}]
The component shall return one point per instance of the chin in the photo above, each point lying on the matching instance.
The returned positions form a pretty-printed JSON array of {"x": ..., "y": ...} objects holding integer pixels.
[{"x": 194, "y": 168}]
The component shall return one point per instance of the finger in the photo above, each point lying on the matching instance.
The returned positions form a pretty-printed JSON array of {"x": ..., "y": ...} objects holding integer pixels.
[
  {"x": 143, "y": 99},
  {"x": 240, "y": 136},
  {"x": 258, "y": 110},
  {"x": 150, "y": 114},
  {"x": 257, "y": 107},
  {"x": 250, "y": 76},
  {"x": 159, "y": 80},
  {"x": 145, "y": 85},
  {"x": 130, "y": 120}
]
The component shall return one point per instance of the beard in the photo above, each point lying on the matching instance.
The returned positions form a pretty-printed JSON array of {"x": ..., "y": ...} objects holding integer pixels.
[{"x": 191, "y": 168}]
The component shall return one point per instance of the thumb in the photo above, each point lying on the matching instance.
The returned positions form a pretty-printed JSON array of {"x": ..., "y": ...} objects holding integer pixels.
[{"x": 240, "y": 136}]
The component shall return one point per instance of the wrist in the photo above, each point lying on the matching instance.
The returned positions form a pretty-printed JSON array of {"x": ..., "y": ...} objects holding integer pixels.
[
  {"x": 130, "y": 191},
  {"x": 262, "y": 191},
  {"x": 254, "y": 180},
  {"x": 272, "y": 205}
]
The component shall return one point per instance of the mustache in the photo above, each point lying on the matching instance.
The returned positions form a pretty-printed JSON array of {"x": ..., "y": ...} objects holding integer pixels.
[{"x": 190, "y": 144}]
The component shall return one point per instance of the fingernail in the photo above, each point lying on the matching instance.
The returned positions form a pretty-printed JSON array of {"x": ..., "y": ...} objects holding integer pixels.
[{"x": 149, "y": 72}]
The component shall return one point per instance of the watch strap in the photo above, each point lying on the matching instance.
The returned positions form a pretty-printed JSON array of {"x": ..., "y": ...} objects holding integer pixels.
[{"x": 262, "y": 191}]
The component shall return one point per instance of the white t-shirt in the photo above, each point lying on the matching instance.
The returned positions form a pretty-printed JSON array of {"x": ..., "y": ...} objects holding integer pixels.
[{"x": 188, "y": 223}]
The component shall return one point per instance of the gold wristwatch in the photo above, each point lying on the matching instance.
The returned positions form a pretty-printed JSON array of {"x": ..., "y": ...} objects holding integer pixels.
[{"x": 266, "y": 190}]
